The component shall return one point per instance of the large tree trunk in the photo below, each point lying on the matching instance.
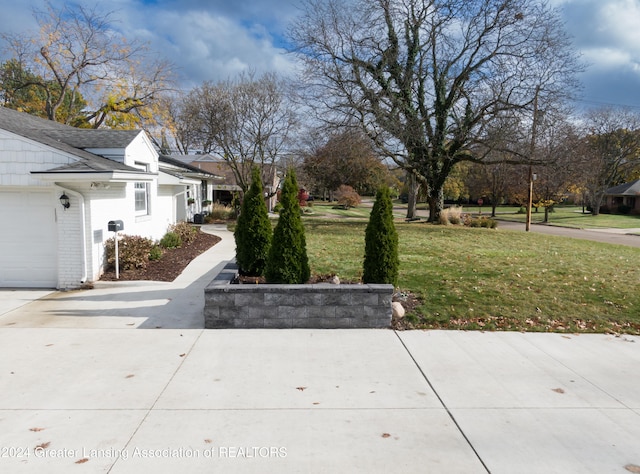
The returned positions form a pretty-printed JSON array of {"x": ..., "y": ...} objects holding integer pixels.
[
  {"x": 596, "y": 203},
  {"x": 436, "y": 202},
  {"x": 413, "y": 188}
]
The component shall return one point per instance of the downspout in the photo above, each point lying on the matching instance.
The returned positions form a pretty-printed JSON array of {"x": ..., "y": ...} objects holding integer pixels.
[{"x": 83, "y": 226}]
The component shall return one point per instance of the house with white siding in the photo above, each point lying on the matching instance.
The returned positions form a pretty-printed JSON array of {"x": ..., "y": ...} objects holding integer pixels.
[{"x": 61, "y": 186}]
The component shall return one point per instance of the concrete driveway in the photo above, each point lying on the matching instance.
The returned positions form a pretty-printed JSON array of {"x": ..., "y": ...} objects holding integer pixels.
[
  {"x": 315, "y": 401},
  {"x": 118, "y": 305}
]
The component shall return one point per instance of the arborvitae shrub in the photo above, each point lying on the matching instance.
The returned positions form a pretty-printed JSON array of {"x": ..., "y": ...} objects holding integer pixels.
[
  {"x": 381, "y": 243},
  {"x": 253, "y": 230},
  {"x": 288, "y": 261}
]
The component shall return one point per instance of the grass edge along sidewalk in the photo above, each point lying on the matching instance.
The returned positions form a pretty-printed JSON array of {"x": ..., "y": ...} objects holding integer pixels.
[{"x": 490, "y": 279}]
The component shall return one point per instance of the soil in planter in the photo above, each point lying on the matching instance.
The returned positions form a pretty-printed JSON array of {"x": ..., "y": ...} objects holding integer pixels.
[{"x": 251, "y": 280}]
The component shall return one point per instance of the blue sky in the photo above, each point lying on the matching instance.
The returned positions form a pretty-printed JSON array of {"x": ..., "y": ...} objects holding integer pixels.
[{"x": 216, "y": 39}]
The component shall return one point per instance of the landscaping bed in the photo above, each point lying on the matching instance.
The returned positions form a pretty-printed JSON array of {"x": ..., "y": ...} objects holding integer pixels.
[{"x": 172, "y": 263}]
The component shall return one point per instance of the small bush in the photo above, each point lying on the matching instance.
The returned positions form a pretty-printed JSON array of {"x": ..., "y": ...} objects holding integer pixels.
[
  {"x": 155, "y": 253},
  {"x": 347, "y": 196},
  {"x": 624, "y": 209},
  {"x": 451, "y": 215},
  {"x": 170, "y": 240},
  {"x": 185, "y": 230},
  {"x": 482, "y": 222},
  {"x": 133, "y": 252}
]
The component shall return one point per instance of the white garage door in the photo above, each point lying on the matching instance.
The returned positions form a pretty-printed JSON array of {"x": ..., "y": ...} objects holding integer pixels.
[{"x": 28, "y": 242}]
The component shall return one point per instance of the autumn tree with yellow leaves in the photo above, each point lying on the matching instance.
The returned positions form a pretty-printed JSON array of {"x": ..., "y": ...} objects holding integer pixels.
[{"x": 77, "y": 70}]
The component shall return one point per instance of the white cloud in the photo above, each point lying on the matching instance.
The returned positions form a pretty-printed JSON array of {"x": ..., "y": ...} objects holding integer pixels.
[
  {"x": 621, "y": 23},
  {"x": 211, "y": 47}
]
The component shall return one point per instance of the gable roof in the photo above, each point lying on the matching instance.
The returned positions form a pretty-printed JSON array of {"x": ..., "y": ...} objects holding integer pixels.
[
  {"x": 70, "y": 140},
  {"x": 626, "y": 189}
]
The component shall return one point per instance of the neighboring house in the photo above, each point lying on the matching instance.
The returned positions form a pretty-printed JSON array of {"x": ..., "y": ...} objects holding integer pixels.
[
  {"x": 48, "y": 241},
  {"x": 627, "y": 194},
  {"x": 187, "y": 184},
  {"x": 223, "y": 191}
]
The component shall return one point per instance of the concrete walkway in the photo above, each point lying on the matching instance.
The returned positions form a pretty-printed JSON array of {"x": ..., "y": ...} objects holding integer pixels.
[{"x": 81, "y": 392}]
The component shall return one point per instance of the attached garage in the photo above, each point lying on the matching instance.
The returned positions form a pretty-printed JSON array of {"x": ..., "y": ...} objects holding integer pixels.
[{"x": 28, "y": 238}]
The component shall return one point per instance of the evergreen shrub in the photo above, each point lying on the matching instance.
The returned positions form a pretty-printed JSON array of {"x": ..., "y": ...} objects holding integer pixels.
[
  {"x": 381, "y": 260},
  {"x": 288, "y": 261},
  {"x": 253, "y": 231}
]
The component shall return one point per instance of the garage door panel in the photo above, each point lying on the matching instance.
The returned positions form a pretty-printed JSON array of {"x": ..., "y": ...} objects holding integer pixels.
[{"x": 28, "y": 242}]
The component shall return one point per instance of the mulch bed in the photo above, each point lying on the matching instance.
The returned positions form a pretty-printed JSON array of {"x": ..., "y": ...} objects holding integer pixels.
[{"x": 172, "y": 263}]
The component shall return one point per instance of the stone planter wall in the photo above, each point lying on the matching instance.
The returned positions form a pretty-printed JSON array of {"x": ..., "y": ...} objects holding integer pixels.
[{"x": 323, "y": 306}]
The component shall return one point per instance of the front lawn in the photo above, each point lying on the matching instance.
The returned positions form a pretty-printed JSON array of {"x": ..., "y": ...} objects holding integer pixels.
[{"x": 496, "y": 279}]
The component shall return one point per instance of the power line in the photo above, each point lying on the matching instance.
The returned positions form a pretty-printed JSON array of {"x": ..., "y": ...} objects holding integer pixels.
[{"x": 603, "y": 103}]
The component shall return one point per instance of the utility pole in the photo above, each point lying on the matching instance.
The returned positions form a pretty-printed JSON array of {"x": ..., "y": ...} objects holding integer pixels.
[{"x": 534, "y": 129}]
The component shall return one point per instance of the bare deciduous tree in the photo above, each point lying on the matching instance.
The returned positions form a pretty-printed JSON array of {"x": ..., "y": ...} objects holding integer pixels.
[
  {"x": 247, "y": 122},
  {"x": 425, "y": 79}
]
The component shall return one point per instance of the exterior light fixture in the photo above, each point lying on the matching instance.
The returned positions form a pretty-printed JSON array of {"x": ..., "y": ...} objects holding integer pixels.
[{"x": 64, "y": 200}]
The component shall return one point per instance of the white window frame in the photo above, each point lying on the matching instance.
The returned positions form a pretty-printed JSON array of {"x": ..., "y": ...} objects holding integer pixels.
[{"x": 141, "y": 188}]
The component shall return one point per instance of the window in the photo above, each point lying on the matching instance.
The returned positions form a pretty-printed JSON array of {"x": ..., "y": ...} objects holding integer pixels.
[
  {"x": 142, "y": 192},
  {"x": 142, "y": 198}
]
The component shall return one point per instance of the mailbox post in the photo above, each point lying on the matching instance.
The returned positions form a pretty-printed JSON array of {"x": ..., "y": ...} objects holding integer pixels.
[{"x": 115, "y": 226}]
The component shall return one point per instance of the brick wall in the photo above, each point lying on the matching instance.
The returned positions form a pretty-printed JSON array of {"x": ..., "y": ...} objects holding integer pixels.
[{"x": 323, "y": 306}]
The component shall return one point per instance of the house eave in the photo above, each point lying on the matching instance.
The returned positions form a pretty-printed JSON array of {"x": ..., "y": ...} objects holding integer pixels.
[
  {"x": 103, "y": 176},
  {"x": 166, "y": 179}
]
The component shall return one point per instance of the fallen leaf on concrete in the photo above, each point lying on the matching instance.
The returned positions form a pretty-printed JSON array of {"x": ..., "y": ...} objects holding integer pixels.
[
  {"x": 182, "y": 355},
  {"x": 208, "y": 441},
  {"x": 386, "y": 435},
  {"x": 82, "y": 461},
  {"x": 43, "y": 445},
  {"x": 48, "y": 345},
  {"x": 36, "y": 429},
  {"x": 632, "y": 468},
  {"x": 301, "y": 388},
  {"x": 129, "y": 376},
  {"x": 316, "y": 403},
  {"x": 558, "y": 390}
]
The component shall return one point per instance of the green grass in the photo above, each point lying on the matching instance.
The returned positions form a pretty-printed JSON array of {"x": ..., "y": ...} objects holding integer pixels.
[
  {"x": 330, "y": 209},
  {"x": 565, "y": 216},
  {"x": 496, "y": 279}
]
